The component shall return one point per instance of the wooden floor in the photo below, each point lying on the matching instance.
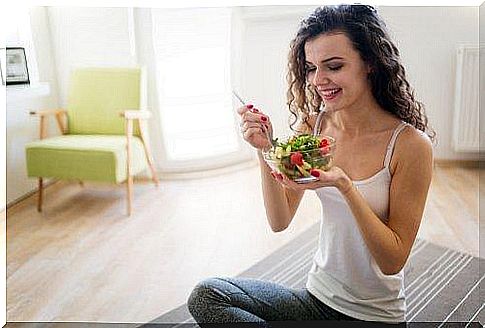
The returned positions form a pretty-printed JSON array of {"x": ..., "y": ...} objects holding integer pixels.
[{"x": 82, "y": 259}]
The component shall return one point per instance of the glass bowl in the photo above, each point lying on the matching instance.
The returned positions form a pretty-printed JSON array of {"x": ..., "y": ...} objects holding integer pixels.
[{"x": 298, "y": 155}]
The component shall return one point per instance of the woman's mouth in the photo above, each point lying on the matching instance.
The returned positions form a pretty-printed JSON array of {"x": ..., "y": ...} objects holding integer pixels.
[{"x": 330, "y": 94}]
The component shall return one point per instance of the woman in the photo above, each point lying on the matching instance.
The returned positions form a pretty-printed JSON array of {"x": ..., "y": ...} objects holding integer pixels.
[{"x": 346, "y": 81}]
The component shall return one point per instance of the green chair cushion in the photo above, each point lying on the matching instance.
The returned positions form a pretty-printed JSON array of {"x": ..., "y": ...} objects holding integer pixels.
[
  {"x": 98, "y": 95},
  {"x": 84, "y": 157}
]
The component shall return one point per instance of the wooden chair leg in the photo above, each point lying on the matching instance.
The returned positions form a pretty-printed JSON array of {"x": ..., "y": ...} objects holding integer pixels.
[
  {"x": 152, "y": 170},
  {"x": 39, "y": 199},
  {"x": 148, "y": 153},
  {"x": 129, "y": 178}
]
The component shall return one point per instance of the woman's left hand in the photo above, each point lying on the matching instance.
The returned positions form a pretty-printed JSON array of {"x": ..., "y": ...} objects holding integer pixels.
[{"x": 334, "y": 177}]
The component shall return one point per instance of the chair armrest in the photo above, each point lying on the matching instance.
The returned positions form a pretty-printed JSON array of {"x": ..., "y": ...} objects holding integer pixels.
[
  {"x": 47, "y": 112},
  {"x": 136, "y": 114},
  {"x": 43, "y": 114}
]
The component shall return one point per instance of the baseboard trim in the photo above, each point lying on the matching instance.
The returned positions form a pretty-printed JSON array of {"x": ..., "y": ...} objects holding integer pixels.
[
  {"x": 458, "y": 163},
  {"x": 31, "y": 193}
]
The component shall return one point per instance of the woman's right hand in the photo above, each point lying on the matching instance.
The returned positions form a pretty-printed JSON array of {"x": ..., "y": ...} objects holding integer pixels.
[{"x": 255, "y": 126}]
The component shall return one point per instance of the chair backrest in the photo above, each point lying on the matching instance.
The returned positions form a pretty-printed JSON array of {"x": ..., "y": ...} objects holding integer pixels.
[{"x": 98, "y": 95}]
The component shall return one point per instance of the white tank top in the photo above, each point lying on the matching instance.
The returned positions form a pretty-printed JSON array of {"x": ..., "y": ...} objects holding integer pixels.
[{"x": 344, "y": 275}]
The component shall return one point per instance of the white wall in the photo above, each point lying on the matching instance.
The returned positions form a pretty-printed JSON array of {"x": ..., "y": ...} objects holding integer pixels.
[
  {"x": 21, "y": 128},
  {"x": 42, "y": 43},
  {"x": 427, "y": 38},
  {"x": 84, "y": 36},
  {"x": 3, "y": 161}
]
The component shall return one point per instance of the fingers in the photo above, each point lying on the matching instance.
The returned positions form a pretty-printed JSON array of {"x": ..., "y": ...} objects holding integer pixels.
[
  {"x": 250, "y": 113},
  {"x": 253, "y": 121},
  {"x": 248, "y": 133},
  {"x": 276, "y": 175},
  {"x": 285, "y": 181},
  {"x": 245, "y": 126},
  {"x": 242, "y": 110},
  {"x": 290, "y": 184},
  {"x": 247, "y": 108},
  {"x": 255, "y": 117}
]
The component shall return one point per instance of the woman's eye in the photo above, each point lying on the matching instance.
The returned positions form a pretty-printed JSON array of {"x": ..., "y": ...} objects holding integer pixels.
[
  {"x": 335, "y": 68},
  {"x": 310, "y": 69}
]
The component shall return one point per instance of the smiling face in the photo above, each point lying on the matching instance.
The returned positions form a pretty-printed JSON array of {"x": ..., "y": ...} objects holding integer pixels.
[{"x": 337, "y": 71}]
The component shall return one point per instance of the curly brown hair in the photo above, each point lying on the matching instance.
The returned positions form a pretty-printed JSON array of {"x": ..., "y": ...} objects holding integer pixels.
[{"x": 369, "y": 36}]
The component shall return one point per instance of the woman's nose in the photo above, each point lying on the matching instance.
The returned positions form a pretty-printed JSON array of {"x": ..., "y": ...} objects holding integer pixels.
[{"x": 320, "y": 77}]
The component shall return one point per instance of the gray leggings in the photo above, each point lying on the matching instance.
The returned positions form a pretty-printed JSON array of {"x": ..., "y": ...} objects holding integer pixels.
[{"x": 258, "y": 302}]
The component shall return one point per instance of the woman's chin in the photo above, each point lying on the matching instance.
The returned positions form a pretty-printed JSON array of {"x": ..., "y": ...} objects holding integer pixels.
[{"x": 331, "y": 108}]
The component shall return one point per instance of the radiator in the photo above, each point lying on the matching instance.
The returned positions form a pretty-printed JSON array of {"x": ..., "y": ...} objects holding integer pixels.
[{"x": 466, "y": 113}]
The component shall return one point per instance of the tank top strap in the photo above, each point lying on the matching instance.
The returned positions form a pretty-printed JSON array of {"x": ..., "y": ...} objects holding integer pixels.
[
  {"x": 390, "y": 146},
  {"x": 316, "y": 128}
]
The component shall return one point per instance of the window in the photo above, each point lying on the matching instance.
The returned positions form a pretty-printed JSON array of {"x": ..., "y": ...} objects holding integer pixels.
[{"x": 193, "y": 58}]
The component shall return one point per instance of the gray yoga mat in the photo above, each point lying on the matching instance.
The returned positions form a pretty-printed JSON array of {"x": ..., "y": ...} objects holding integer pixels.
[{"x": 442, "y": 286}]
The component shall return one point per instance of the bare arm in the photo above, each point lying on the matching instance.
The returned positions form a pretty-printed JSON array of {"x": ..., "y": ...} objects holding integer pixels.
[
  {"x": 281, "y": 203},
  {"x": 391, "y": 244}
]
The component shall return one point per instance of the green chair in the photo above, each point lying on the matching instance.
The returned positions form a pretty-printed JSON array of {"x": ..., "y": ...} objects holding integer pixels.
[{"x": 99, "y": 140}]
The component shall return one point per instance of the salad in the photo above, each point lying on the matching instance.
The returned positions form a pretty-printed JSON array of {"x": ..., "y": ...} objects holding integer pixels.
[{"x": 297, "y": 156}]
